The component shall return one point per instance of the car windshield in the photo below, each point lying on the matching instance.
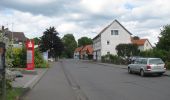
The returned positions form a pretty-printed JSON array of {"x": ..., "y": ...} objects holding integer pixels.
[{"x": 156, "y": 61}]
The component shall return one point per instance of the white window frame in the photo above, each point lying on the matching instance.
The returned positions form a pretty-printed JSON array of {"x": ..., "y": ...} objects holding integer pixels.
[{"x": 113, "y": 32}]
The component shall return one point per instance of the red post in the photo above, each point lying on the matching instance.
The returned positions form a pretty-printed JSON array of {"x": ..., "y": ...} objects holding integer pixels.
[{"x": 30, "y": 54}]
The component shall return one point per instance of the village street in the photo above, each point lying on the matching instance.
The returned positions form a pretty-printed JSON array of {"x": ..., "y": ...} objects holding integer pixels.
[{"x": 83, "y": 80}]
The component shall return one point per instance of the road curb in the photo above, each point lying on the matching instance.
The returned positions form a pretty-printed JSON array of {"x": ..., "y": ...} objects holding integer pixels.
[
  {"x": 31, "y": 85},
  {"x": 113, "y": 65},
  {"x": 117, "y": 66}
]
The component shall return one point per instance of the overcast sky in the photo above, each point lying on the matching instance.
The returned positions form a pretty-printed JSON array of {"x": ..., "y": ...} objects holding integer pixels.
[{"x": 143, "y": 18}]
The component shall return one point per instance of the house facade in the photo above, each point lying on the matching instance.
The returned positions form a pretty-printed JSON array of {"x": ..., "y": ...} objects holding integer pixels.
[
  {"x": 84, "y": 52},
  {"x": 18, "y": 38},
  {"x": 87, "y": 52},
  {"x": 77, "y": 53},
  {"x": 107, "y": 40},
  {"x": 143, "y": 44}
]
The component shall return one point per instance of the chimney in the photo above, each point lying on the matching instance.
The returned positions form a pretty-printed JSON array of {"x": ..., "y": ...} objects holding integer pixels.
[{"x": 2, "y": 28}]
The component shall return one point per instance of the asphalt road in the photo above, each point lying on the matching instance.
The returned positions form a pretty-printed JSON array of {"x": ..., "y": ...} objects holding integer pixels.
[
  {"x": 98, "y": 82},
  {"x": 83, "y": 80}
]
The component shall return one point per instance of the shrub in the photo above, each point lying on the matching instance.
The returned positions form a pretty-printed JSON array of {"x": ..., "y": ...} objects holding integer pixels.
[
  {"x": 39, "y": 60},
  {"x": 167, "y": 65},
  {"x": 19, "y": 57},
  {"x": 112, "y": 59}
]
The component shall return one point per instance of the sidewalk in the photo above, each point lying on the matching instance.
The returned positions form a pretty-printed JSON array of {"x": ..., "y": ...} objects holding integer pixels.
[
  {"x": 29, "y": 80},
  {"x": 52, "y": 86},
  {"x": 167, "y": 73}
]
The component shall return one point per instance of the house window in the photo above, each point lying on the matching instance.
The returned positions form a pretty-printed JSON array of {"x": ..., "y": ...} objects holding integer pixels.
[
  {"x": 108, "y": 53},
  {"x": 20, "y": 43},
  {"x": 108, "y": 42},
  {"x": 114, "y": 32}
]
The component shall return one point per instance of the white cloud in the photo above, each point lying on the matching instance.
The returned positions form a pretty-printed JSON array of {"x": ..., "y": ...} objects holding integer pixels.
[
  {"x": 85, "y": 17},
  {"x": 34, "y": 2}
]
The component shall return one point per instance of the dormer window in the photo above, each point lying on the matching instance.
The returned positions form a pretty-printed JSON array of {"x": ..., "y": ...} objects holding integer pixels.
[{"x": 114, "y": 32}]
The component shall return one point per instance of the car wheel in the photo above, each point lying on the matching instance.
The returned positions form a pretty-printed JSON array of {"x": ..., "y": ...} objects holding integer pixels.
[
  {"x": 129, "y": 71},
  {"x": 142, "y": 73},
  {"x": 160, "y": 74}
]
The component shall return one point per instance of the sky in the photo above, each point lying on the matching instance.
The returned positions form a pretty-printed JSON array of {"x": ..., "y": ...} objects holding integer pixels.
[{"x": 143, "y": 18}]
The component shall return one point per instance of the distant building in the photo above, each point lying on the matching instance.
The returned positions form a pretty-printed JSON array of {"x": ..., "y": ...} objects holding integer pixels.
[
  {"x": 77, "y": 53},
  {"x": 17, "y": 37},
  {"x": 143, "y": 44},
  {"x": 107, "y": 40},
  {"x": 87, "y": 52},
  {"x": 84, "y": 52}
]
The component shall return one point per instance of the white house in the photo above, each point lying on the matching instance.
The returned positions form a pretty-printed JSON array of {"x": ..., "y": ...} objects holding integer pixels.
[
  {"x": 107, "y": 40},
  {"x": 143, "y": 44},
  {"x": 77, "y": 53}
]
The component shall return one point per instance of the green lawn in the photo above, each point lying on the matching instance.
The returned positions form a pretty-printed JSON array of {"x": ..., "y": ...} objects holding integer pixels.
[{"x": 14, "y": 93}]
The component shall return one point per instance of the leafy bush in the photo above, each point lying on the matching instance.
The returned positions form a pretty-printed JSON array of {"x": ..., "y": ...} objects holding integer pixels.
[
  {"x": 168, "y": 65},
  {"x": 39, "y": 61},
  {"x": 19, "y": 57},
  {"x": 112, "y": 59},
  {"x": 164, "y": 55},
  {"x": 127, "y": 50},
  {"x": 156, "y": 53}
]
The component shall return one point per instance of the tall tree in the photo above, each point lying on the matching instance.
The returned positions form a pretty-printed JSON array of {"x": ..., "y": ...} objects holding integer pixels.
[
  {"x": 84, "y": 41},
  {"x": 50, "y": 41},
  {"x": 164, "y": 39},
  {"x": 69, "y": 45},
  {"x": 36, "y": 40}
]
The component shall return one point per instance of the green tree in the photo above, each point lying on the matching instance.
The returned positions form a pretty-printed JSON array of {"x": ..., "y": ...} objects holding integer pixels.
[
  {"x": 50, "y": 41},
  {"x": 8, "y": 43},
  {"x": 164, "y": 39},
  {"x": 36, "y": 40},
  {"x": 84, "y": 41},
  {"x": 127, "y": 50},
  {"x": 69, "y": 45}
]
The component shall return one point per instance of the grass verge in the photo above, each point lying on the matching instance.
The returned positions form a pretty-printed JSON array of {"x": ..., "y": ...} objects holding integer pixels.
[{"x": 13, "y": 94}]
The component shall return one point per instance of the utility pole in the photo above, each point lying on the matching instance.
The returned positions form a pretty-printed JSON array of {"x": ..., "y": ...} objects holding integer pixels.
[
  {"x": 2, "y": 69},
  {"x": 12, "y": 35}
]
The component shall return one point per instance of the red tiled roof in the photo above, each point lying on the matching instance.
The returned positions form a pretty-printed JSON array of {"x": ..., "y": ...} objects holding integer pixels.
[
  {"x": 88, "y": 49},
  {"x": 139, "y": 42},
  {"x": 78, "y": 49}
]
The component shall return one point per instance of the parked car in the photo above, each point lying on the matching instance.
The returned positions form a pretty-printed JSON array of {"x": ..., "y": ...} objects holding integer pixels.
[
  {"x": 145, "y": 66},
  {"x": 133, "y": 58}
]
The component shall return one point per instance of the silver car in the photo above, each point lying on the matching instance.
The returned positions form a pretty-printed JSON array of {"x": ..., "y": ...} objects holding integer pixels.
[{"x": 147, "y": 66}]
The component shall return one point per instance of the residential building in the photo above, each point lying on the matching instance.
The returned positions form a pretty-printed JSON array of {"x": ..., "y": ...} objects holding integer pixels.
[
  {"x": 18, "y": 38},
  {"x": 84, "y": 52},
  {"x": 87, "y": 52},
  {"x": 77, "y": 53},
  {"x": 143, "y": 44},
  {"x": 107, "y": 40}
]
